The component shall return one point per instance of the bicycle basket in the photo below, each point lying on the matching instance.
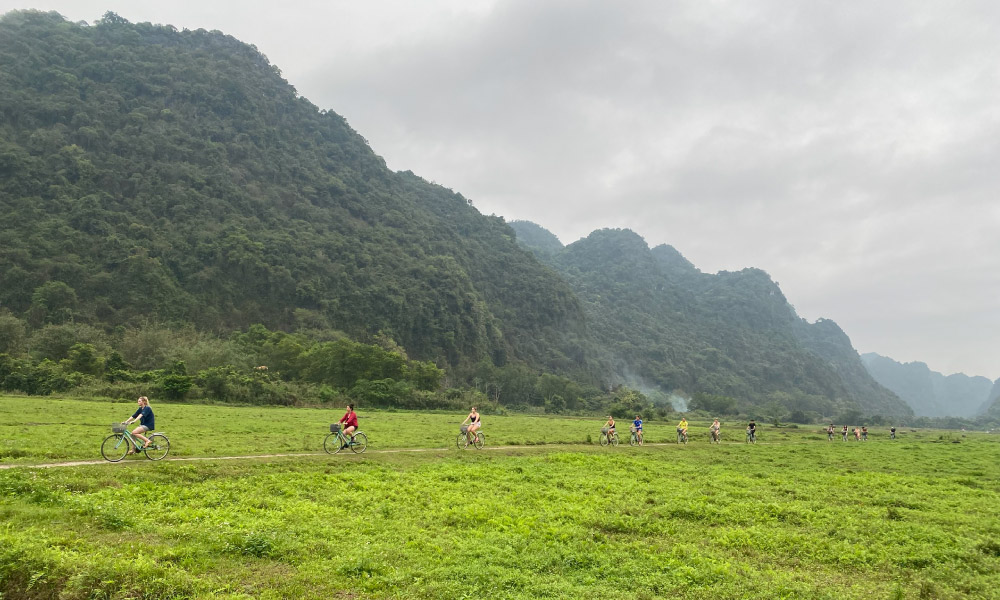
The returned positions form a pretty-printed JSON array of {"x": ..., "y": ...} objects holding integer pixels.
[
  {"x": 117, "y": 428},
  {"x": 604, "y": 430},
  {"x": 465, "y": 429},
  {"x": 334, "y": 427}
]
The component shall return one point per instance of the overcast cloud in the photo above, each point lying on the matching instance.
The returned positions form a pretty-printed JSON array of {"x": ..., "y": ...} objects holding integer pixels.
[{"x": 851, "y": 150}]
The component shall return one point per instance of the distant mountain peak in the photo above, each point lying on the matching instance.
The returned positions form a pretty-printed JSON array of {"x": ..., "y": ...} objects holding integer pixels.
[{"x": 930, "y": 393}]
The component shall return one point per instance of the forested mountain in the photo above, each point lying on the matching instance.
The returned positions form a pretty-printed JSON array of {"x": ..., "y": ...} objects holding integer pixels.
[
  {"x": 170, "y": 203},
  {"x": 992, "y": 405},
  {"x": 931, "y": 394},
  {"x": 149, "y": 174},
  {"x": 723, "y": 338}
]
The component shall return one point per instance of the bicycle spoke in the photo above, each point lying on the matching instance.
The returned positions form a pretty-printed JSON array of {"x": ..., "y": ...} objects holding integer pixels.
[
  {"x": 114, "y": 447},
  {"x": 360, "y": 443},
  {"x": 159, "y": 447}
]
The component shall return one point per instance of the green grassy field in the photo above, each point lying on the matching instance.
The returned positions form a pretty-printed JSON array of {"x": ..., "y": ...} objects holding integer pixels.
[
  {"x": 34, "y": 430},
  {"x": 794, "y": 517}
]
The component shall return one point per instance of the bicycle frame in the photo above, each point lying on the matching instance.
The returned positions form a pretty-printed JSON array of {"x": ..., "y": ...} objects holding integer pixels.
[
  {"x": 112, "y": 450},
  {"x": 127, "y": 435}
]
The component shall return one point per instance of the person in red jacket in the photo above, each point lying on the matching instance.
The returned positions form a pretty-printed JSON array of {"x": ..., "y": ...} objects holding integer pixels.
[{"x": 350, "y": 422}]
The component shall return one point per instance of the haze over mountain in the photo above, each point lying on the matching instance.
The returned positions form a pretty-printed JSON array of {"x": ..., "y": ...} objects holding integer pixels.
[
  {"x": 149, "y": 175},
  {"x": 929, "y": 393},
  {"x": 667, "y": 324}
]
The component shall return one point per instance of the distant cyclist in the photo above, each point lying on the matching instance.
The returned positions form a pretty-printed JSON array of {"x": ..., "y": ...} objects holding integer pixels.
[
  {"x": 752, "y": 430},
  {"x": 637, "y": 427},
  {"x": 475, "y": 422},
  {"x": 609, "y": 427},
  {"x": 829, "y": 432},
  {"x": 147, "y": 422},
  {"x": 844, "y": 432},
  {"x": 714, "y": 430},
  {"x": 350, "y": 422},
  {"x": 682, "y": 427},
  {"x": 864, "y": 433},
  {"x": 892, "y": 433}
]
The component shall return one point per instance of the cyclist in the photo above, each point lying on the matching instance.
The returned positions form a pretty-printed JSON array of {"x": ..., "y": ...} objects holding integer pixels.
[
  {"x": 892, "y": 433},
  {"x": 146, "y": 422},
  {"x": 829, "y": 432},
  {"x": 637, "y": 428},
  {"x": 857, "y": 434},
  {"x": 609, "y": 427},
  {"x": 475, "y": 422},
  {"x": 714, "y": 430},
  {"x": 350, "y": 422},
  {"x": 682, "y": 427},
  {"x": 752, "y": 430},
  {"x": 844, "y": 432},
  {"x": 864, "y": 433}
]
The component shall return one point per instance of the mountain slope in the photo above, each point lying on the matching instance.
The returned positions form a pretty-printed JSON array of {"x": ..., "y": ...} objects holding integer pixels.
[
  {"x": 668, "y": 325},
  {"x": 154, "y": 174},
  {"x": 930, "y": 393}
]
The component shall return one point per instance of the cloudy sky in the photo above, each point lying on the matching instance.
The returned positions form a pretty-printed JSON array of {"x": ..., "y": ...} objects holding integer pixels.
[{"x": 851, "y": 150}]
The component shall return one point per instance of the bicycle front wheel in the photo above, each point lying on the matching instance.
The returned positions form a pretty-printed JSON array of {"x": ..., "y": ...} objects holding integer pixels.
[
  {"x": 632, "y": 440},
  {"x": 605, "y": 440},
  {"x": 114, "y": 447},
  {"x": 332, "y": 443},
  {"x": 462, "y": 441},
  {"x": 360, "y": 443},
  {"x": 480, "y": 441},
  {"x": 159, "y": 447}
]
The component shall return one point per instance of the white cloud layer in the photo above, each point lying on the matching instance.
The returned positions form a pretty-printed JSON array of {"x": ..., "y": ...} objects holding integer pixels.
[{"x": 848, "y": 150}]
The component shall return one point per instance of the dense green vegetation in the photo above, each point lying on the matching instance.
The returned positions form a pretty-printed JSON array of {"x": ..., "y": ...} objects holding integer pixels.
[
  {"x": 150, "y": 174},
  {"x": 732, "y": 336},
  {"x": 795, "y": 516},
  {"x": 166, "y": 192}
]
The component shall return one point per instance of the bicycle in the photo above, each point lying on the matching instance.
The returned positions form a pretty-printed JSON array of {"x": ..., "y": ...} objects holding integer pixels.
[
  {"x": 335, "y": 441},
  {"x": 635, "y": 439},
  {"x": 609, "y": 437},
  {"x": 751, "y": 436},
  {"x": 478, "y": 440},
  {"x": 682, "y": 437},
  {"x": 714, "y": 437},
  {"x": 115, "y": 447}
]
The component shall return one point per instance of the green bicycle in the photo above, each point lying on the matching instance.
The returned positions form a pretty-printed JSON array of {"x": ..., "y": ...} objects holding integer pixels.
[
  {"x": 116, "y": 446},
  {"x": 335, "y": 441}
]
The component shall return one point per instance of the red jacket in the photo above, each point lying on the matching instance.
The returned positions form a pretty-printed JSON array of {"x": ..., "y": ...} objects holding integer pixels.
[{"x": 349, "y": 420}]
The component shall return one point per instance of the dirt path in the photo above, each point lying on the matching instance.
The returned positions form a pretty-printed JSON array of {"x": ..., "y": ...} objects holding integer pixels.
[{"x": 81, "y": 463}]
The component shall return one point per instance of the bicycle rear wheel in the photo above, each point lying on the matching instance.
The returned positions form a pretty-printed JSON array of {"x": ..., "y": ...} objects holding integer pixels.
[
  {"x": 360, "y": 443},
  {"x": 614, "y": 439},
  {"x": 480, "y": 441},
  {"x": 332, "y": 443},
  {"x": 159, "y": 447},
  {"x": 633, "y": 440},
  {"x": 114, "y": 447}
]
